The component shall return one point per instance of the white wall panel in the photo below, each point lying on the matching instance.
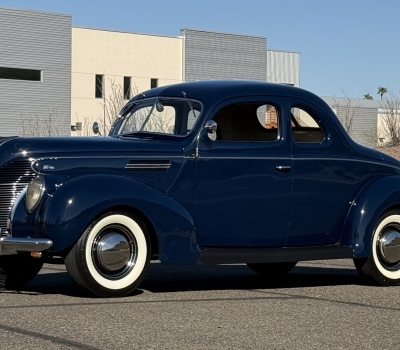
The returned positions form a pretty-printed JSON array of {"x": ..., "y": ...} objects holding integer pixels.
[{"x": 283, "y": 67}]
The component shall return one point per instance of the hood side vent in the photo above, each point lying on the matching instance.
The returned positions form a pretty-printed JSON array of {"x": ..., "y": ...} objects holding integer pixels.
[{"x": 148, "y": 165}]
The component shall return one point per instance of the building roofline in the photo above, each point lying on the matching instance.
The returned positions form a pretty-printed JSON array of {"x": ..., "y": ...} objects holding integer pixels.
[
  {"x": 288, "y": 51},
  {"x": 36, "y": 11},
  {"x": 356, "y": 101},
  {"x": 127, "y": 32},
  {"x": 226, "y": 33}
]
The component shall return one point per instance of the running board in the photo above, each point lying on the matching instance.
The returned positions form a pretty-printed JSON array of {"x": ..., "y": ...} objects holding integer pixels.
[{"x": 229, "y": 255}]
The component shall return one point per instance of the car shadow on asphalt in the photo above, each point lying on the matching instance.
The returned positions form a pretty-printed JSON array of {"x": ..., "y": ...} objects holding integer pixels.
[
  {"x": 168, "y": 279},
  {"x": 240, "y": 277}
]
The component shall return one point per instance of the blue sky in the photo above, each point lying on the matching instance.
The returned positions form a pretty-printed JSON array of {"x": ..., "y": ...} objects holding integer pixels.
[{"x": 345, "y": 45}]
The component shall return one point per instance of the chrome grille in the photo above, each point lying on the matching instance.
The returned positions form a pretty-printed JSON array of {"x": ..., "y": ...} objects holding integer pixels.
[{"x": 14, "y": 177}]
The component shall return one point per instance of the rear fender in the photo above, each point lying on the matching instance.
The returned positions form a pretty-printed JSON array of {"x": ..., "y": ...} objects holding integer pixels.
[{"x": 377, "y": 197}]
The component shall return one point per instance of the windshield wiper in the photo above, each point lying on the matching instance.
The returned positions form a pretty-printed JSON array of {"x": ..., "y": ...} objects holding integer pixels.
[
  {"x": 189, "y": 103},
  {"x": 150, "y": 113}
]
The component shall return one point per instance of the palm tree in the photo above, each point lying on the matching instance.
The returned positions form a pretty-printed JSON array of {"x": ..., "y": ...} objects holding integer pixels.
[
  {"x": 368, "y": 97},
  {"x": 381, "y": 91}
]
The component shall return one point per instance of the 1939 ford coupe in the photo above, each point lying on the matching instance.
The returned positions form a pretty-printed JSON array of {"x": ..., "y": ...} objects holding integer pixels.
[{"x": 199, "y": 173}]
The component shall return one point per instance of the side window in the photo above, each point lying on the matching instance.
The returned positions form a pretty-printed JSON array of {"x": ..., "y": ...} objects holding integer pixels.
[
  {"x": 247, "y": 122},
  {"x": 304, "y": 127}
]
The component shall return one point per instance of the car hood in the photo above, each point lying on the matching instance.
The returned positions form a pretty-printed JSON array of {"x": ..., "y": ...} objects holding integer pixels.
[{"x": 39, "y": 147}]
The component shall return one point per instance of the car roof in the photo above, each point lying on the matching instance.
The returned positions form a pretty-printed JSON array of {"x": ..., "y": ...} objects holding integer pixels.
[{"x": 216, "y": 90}]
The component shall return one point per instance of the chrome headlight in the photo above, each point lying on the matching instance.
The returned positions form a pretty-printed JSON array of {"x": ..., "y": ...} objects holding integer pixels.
[{"x": 34, "y": 193}]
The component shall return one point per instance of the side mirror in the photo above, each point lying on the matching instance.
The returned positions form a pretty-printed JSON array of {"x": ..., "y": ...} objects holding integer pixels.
[
  {"x": 211, "y": 127},
  {"x": 96, "y": 128}
]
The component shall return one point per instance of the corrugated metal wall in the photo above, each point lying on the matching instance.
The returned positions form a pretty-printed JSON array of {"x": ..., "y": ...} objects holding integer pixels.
[
  {"x": 210, "y": 55},
  {"x": 364, "y": 123},
  {"x": 283, "y": 67},
  {"x": 365, "y": 119},
  {"x": 41, "y": 41}
]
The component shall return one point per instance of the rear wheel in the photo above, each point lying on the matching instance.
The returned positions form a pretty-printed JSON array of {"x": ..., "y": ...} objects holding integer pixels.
[
  {"x": 383, "y": 265},
  {"x": 18, "y": 270},
  {"x": 111, "y": 257},
  {"x": 273, "y": 269}
]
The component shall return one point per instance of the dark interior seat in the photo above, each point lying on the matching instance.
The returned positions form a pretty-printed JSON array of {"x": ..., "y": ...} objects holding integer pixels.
[{"x": 240, "y": 123}]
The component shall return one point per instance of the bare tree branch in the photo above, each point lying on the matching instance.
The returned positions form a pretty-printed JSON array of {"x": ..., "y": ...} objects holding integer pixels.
[
  {"x": 389, "y": 130},
  {"x": 35, "y": 124},
  {"x": 112, "y": 104},
  {"x": 346, "y": 111}
]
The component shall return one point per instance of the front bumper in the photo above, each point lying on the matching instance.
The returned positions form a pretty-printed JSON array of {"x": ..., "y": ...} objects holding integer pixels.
[{"x": 13, "y": 245}]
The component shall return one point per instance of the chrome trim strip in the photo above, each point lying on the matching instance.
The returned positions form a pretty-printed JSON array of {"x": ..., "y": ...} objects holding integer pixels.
[
  {"x": 12, "y": 212},
  {"x": 353, "y": 160},
  {"x": 3, "y": 140},
  {"x": 12, "y": 245},
  {"x": 147, "y": 167},
  {"x": 283, "y": 167},
  {"x": 113, "y": 157},
  {"x": 147, "y": 164},
  {"x": 252, "y": 158},
  {"x": 295, "y": 159}
]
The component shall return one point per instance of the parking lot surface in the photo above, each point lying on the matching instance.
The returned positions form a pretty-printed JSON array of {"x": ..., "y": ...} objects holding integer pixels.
[{"x": 319, "y": 305}]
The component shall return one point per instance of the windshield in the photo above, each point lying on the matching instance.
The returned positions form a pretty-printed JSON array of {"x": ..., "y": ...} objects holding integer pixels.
[{"x": 160, "y": 115}]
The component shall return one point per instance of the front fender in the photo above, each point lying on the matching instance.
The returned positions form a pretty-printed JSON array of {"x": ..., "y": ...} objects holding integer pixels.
[
  {"x": 74, "y": 204},
  {"x": 374, "y": 199}
]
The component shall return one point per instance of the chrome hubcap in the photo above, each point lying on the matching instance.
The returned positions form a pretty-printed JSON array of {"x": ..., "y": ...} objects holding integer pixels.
[
  {"x": 389, "y": 245},
  {"x": 114, "y": 251}
]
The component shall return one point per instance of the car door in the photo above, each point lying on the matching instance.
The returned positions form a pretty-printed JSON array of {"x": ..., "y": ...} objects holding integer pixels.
[
  {"x": 326, "y": 178},
  {"x": 243, "y": 178}
]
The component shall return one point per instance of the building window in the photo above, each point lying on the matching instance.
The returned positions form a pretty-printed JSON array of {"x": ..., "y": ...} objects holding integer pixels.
[
  {"x": 153, "y": 83},
  {"x": 127, "y": 88},
  {"x": 99, "y": 85},
  {"x": 20, "y": 74}
]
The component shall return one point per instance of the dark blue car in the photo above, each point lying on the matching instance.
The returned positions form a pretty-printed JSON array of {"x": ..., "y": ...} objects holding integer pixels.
[{"x": 199, "y": 173}]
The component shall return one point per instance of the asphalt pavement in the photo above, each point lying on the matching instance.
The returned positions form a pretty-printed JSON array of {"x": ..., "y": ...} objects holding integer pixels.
[{"x": 319, "y": 305}]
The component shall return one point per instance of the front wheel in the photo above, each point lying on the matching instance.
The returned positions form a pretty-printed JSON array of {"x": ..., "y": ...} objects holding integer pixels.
[
  {"x": 18, "y": 270},
  {"x": 273, "y": 269},
  {"x": 383, "y": 265},
  {"x": 111, "y": 257}
]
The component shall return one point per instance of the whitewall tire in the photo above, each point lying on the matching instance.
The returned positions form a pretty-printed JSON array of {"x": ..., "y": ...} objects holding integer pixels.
[
  {"x": 383, "y": 265},
  {"x": 111, "y": 257}
]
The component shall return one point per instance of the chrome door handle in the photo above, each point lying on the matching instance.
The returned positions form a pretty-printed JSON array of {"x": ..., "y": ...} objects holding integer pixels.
[{"x": 283, "y": 168}]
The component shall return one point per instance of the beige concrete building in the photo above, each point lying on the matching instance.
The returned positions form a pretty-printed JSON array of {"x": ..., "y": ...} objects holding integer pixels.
[{"x": 105, "y": 62}]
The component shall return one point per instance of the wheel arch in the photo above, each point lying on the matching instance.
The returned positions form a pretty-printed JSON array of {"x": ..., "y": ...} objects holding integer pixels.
[
  {"x": 170, "y": 225},
  {"x": 374, "y": 200}
]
